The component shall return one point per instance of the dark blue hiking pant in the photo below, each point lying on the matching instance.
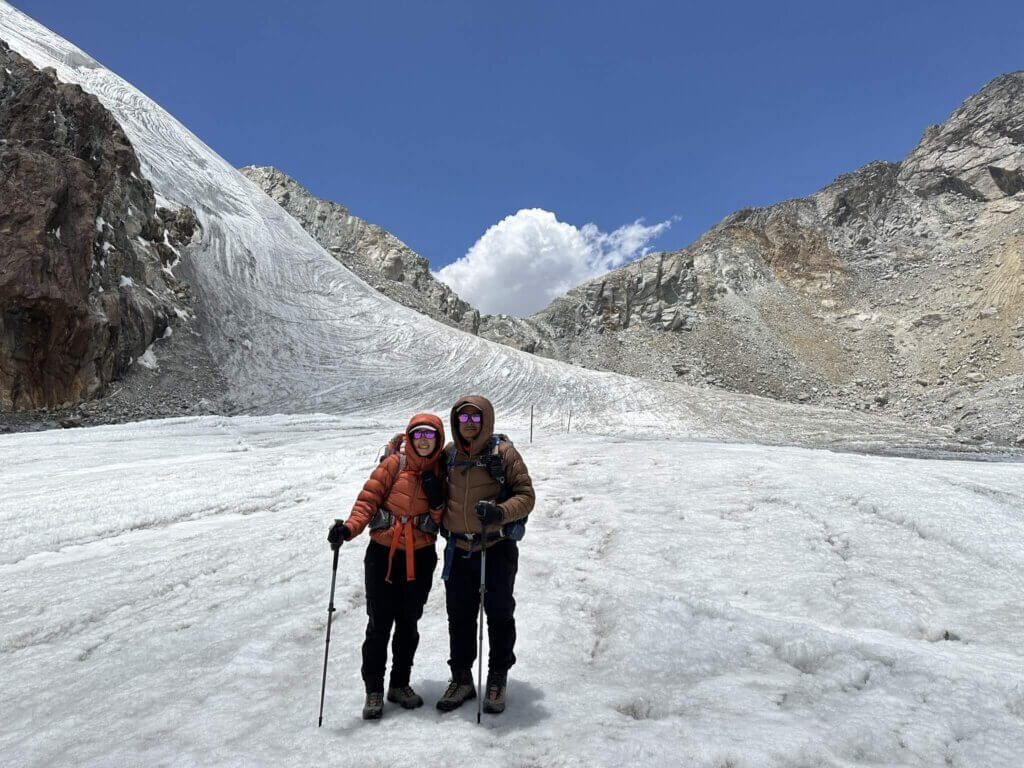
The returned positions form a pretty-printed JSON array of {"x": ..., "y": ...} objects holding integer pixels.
[{"x": 462, "y": 599}]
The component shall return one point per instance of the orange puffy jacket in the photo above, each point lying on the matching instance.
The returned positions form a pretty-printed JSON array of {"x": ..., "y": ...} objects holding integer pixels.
[{"x": 401, "y": 494}]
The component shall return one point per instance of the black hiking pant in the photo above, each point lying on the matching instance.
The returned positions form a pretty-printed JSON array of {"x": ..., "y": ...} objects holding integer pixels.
[
  {"x": 399, "y": 603},
  {"x": 462, "y": 599}
]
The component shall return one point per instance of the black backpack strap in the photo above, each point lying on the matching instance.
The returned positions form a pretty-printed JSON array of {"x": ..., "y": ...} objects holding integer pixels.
[
  {"x": 449, "y": 460},
  {"x": 495, "y": 465},
  {"x": 490, "y": 460}
]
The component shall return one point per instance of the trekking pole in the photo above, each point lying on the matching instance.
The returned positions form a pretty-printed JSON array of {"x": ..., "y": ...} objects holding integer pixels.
[
  {"x": 480, "y": 641},
  {"x": 330, "y": 614}
]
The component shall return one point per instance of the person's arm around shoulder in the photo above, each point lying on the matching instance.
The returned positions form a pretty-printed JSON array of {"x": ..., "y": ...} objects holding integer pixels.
[
  {"x": 435, "y": 489},
  {"x": 520, "y": 487}
]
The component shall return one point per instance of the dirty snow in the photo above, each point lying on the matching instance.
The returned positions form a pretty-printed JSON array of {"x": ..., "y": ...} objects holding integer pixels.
[{"x": 148, "y": 359}]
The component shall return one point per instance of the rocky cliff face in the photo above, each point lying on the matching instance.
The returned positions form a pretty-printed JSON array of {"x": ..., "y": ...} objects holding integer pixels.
[
  {"x": 898, "y": 287},
  {"x": 978, "y": 152},
  {"x": 390, "y": 266},
  {"x": 377, "y": 256},
  {"x": 85, "y": 283}
]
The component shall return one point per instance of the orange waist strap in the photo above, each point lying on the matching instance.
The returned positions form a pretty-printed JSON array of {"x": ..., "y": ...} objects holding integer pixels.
[{"x": 402, "y": 529}]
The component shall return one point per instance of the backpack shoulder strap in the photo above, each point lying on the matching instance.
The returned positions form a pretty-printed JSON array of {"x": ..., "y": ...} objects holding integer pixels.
[
  {"x": 400, "y": 450},
  {"x": 496, "y": 463},
  {"x": 449, "y": 459}
]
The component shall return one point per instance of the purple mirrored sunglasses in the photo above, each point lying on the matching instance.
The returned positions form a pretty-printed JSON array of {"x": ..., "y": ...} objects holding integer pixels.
[
  {"x": 476, "y": 418},
  {"x": 424, "y": 433}
]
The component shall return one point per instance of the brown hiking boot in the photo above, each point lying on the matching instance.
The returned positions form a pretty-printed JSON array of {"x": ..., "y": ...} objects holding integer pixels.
[
  {"x": 374, "y": 706},
  {"x": 405, "y": 696},
  {"x": 494, "y": 699},
  {"x": 459, "y": 691}
]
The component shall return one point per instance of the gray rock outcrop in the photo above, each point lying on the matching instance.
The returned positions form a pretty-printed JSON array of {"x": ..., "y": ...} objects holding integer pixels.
[
  {"x": 905, "y": 277},
  {"x": 978, "y": 152},
  {"x": 375, "y": 255}
]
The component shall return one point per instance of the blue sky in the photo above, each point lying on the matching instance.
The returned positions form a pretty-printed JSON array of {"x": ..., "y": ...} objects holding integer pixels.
[{"x": 437, "y": 120}]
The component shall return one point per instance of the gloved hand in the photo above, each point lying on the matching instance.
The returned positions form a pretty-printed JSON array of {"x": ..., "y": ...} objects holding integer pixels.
[
  {"x": 338, "y": 534},
  {"x": 433, "y": 488},
  {"x": 488, "y": 513}
]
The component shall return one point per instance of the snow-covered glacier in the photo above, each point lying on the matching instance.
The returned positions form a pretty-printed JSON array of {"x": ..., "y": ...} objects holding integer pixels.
[{"x": 164, "y": 585}]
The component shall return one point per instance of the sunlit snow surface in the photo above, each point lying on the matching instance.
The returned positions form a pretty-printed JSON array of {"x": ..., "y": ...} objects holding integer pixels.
[{"x": 163, "y": 595}]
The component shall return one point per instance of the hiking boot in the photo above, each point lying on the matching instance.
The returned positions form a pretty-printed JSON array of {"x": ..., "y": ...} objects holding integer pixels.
[
  {"x": 459, "y": 691},
  {"x": 405, "y": 696},
  {"x": 374, "y": 706},
  {"x": 494, "y": 699}
]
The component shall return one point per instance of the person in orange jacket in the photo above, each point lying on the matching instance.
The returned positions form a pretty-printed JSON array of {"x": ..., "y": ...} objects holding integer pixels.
[{"x": 402, "y": 503}]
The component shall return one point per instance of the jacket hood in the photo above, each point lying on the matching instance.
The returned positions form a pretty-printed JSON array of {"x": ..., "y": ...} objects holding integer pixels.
[
  {"x": 486, "y": 423},
  {"x": 412, "y": 459}
]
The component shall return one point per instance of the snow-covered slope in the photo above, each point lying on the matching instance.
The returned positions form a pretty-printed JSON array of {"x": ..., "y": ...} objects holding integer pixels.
[
  {"x": 295, "y": 331},
  {"x": 164, "y": 601}
]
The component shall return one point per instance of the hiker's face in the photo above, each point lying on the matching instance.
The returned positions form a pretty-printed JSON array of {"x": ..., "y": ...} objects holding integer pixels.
[
  {"x": 469, "y": 428},
  {"x": 424, "y": 445}
]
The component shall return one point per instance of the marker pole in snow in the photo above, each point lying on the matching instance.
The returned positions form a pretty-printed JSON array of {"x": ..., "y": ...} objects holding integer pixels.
[
  {"x": 330, "y": 614},
  {"x": 480, "y": 640}
]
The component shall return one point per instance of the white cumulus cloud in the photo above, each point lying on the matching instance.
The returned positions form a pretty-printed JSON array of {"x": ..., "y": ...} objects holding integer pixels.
[{"x": 529, "y": 258}]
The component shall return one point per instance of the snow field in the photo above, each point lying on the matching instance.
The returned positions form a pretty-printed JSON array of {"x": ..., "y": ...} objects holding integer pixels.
[{"x": 163, "y": 594}]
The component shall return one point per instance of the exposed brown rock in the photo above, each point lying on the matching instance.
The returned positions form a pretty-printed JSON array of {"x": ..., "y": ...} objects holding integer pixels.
[{"x": 82, "y": 292}]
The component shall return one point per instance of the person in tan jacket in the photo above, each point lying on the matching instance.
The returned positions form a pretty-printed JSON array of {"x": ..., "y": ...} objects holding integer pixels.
[
  {"x": 402, "y": 503},
  {"x": 482, "y": 513}
]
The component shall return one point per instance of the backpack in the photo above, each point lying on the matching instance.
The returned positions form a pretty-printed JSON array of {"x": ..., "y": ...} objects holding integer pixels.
[
  {"x": 395, "y": 445},
  {"x": 490, "y": 460}
]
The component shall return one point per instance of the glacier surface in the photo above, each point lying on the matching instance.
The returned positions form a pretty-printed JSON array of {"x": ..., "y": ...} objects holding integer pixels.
[{"x": 164, "y": 586}]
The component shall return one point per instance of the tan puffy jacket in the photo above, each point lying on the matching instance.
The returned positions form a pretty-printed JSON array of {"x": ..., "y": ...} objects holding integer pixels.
[{"x": 469, "y": 484}]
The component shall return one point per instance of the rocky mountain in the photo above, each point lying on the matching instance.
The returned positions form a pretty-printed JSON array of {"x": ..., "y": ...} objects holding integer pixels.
[
  {"x": 899, "y": 287},
  {"x": 377, "y": 256},
  {"x": 896, "y": 290},
  {"x": 85, "y": 254},
  {"x": 389, "y": 265}
]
